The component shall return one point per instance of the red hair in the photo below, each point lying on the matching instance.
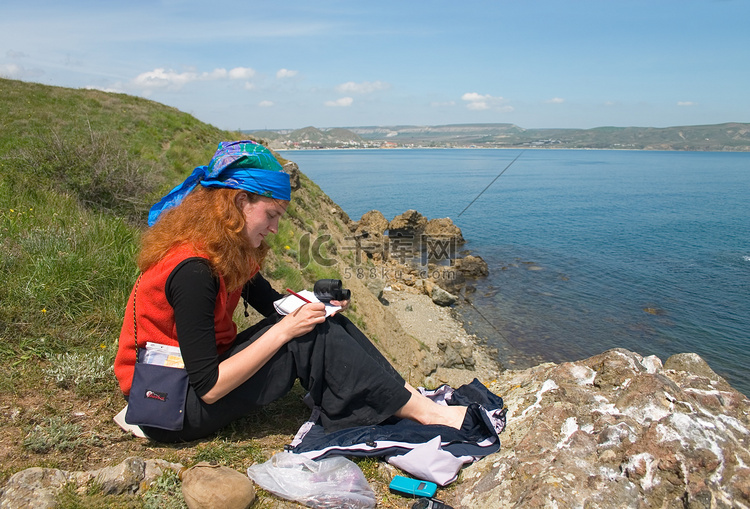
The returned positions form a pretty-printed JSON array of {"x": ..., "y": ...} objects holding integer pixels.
[{"x": 210, "y": 221}]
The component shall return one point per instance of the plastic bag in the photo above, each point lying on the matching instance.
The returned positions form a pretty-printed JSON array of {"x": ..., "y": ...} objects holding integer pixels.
[{"x": 330, "y": 482}]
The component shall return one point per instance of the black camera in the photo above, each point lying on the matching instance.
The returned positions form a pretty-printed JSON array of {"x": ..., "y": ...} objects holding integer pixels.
[
  {"x": 327, "y": 290},
  {"x": 430, "y": 503}
]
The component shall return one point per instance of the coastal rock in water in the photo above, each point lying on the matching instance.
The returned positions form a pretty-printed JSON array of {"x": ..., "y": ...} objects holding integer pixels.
[
  {"x": 410, "y": 221},
  {"x": 443, "y": 228},
  {"x": 616, "y": 430},
  {"x": 369, "y": 233},
  {"x": 472, "y": 266},
  {"x": 441, "y": 297}
]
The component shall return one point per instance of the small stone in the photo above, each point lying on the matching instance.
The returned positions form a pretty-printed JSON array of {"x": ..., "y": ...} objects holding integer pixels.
[{"x": 207, "y": 486}]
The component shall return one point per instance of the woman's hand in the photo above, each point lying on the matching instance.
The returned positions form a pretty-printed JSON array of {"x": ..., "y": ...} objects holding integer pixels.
[
  {"x": 343, "y": 303},
  {"x": 302, "y": 320},
  {"x": 241, "y": 366}
]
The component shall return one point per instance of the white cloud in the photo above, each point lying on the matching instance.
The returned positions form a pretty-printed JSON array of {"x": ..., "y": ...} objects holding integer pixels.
[
  {"x": 265, "y": 104},
  {"x": 686, "y": 103},
  {"x": 11, "y": 70},
  {"x": 476, "y": 101},
  {"x": 241, "y": 73},
  {"x": 285, "y": 73},
  {"x": 366, "y": 87},
  {"x": 556, "y": 100},
  {"x": 478, "y": 106},
  {"x": 161, "y": 78},
  {"x": 18, "y": 72},
  {"x": 480, "y": 102},
  {"x": 344, "y": 102},
  {"x": 216, "y": 74},
  {"x": 113, "y": 90}
]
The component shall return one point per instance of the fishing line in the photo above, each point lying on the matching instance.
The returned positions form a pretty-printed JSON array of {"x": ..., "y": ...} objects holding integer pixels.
[
  {"x": 487, "y": 320},
  {"x": 493, "y": 181},
  {"x": 464, "y": 210}
]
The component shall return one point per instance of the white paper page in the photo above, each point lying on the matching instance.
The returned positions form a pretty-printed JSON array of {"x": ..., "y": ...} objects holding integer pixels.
[{"x": 290, "y": 303}]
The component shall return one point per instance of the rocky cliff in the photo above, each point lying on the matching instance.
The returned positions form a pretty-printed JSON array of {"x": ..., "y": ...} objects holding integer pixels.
[{"x": 616, "y": 430}]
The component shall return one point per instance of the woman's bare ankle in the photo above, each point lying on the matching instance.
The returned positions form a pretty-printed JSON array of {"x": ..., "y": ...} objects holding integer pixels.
[
  {"x": 455, "y": 416},
  {"x": 425, "y": 411}
]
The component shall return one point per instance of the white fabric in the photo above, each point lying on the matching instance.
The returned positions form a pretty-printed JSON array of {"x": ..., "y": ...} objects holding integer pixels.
[{"x": 430, "y": 462}]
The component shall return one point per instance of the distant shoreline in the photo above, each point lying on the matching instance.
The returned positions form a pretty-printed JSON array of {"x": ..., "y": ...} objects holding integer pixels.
[
  {"x": 727, "y": 137},
  {"x": 286, "y": 149}
]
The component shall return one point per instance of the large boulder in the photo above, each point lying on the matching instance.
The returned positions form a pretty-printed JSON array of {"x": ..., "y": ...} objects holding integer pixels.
[
  {"x": 616, "y": 430},
  {"x": 472, "y": 266},
  {"x": 410, "y": 221},
  {"x": 369, "y": 234},
  {"x": 444, "y": 228},
  {"x": 292, "y": 169}
]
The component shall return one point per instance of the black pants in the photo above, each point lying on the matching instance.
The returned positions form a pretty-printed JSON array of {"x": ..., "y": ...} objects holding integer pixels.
[{"x": 344, "y": 372}]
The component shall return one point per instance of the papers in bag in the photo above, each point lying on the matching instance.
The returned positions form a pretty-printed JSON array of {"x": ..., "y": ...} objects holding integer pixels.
[
  {"x": 130, "y": 428},
  {"x": 291, "y": 303},
  {"x": 163, "y": 355}
]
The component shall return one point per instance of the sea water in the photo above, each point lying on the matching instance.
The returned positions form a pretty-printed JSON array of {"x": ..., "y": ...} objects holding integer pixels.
[{"x": 588, "y": 250}]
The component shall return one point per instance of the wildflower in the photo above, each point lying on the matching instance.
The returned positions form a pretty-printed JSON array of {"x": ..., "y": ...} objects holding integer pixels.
[
  {"x": 287, "y": 247},
  {"x": 12, "y": 210},
  {"x": 102, "y": 346},
  {"x": 44, "y": 310}
]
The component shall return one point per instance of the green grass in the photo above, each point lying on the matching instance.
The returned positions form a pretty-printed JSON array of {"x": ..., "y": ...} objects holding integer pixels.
[
  {"x": 78, "y": 171},
  {"x": 57, "y": 433},
  {"x": 67, "y": 272}
]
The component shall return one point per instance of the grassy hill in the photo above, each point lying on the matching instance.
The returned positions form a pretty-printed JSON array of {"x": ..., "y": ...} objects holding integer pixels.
[{"x": 78, "y": 171}]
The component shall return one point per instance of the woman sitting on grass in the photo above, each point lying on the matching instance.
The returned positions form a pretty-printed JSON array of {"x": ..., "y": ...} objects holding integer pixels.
[{"x": 202, "y": 253}]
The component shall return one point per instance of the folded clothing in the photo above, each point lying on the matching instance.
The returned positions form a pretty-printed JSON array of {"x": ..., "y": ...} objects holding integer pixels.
[{"x": 395, "y": 438}]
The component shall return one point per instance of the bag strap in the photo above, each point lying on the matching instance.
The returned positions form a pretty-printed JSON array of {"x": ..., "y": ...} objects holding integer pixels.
[{"x": 135, "y": 328}]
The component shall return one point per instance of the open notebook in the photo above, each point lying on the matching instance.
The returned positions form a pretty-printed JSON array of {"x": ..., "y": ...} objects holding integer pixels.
[{"x": 290, "y": 303}]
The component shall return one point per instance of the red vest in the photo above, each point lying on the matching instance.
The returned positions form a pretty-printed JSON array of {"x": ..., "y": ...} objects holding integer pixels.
[{"x": 155, "y": 318}]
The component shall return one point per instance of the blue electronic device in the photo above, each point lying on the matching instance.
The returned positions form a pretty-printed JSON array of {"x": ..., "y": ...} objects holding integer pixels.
[{"x": 412, "y": 487}]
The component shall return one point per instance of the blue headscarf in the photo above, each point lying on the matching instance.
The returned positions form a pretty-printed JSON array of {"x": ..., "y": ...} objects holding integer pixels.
[{"x": 236, "y": 165}]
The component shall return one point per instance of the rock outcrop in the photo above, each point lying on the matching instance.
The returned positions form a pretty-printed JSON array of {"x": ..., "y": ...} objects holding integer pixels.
[
  {"x": 38, "y": 488},
  {"x": 616, "y": 430},
  {"x": 410, "y": 222},
  {"x": 416, "y": 251},
  {"x": 444, "y": 228},
  {"x": 370, "y": 234},
  {"x": 292, "y": 169},
  {"x": 472, "y": 266}
]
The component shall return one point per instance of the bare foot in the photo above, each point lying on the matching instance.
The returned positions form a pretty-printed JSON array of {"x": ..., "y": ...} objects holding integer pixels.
[
  {"x": 425, "y": 411},
  {"x": 455, "y": 417}
]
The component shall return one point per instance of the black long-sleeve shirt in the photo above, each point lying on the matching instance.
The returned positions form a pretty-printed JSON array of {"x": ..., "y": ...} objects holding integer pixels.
[{"x": 192, "y": 289}]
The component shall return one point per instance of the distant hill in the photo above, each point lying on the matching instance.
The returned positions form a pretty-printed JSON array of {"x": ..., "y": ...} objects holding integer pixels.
[{"x": 720, "y": 137}]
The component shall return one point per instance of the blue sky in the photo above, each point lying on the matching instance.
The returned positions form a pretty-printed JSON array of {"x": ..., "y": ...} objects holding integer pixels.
[{"x": 291, "y": 64}]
